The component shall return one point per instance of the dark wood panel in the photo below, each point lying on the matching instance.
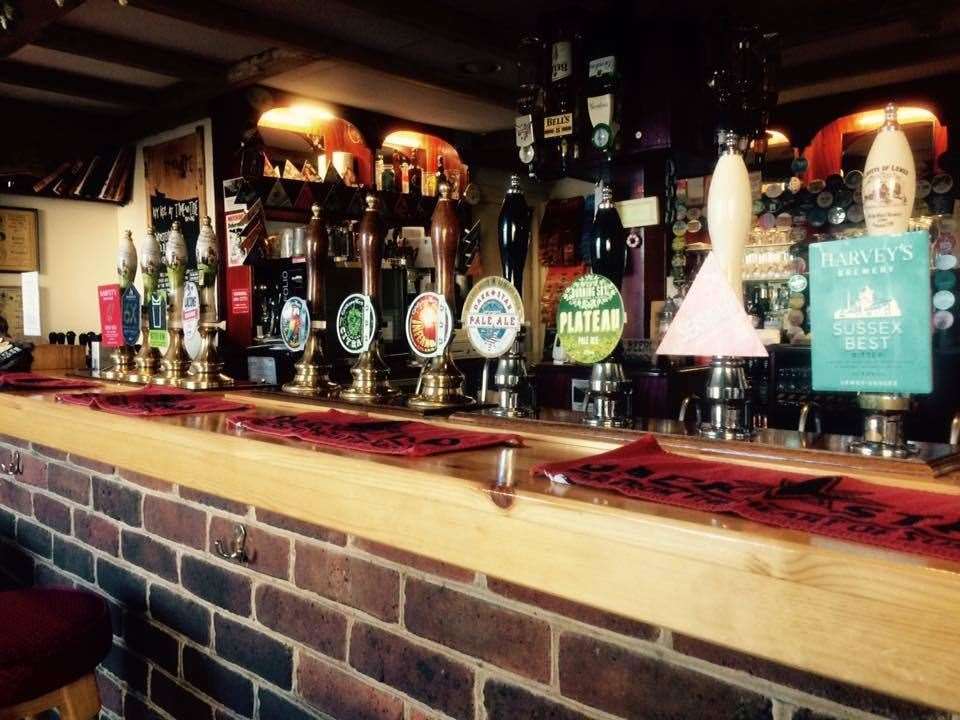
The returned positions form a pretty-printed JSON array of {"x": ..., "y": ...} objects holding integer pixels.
[
  {"x": 119, "y": 50},
  {"x": 73, "y": 84}
]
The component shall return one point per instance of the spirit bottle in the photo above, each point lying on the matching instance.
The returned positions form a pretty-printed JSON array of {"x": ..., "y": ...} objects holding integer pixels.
[
  {"x": 529, "y": 121},
  {"x": 601, "y": 95},
  {"x": 560, "y": 126},
  {"x": 415, "y": 176}
]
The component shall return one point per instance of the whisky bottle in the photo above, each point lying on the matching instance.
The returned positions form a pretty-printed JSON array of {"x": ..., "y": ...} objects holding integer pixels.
[
  {"x": 415, "y": 175},
  {"x": 529, "y": 120},
  {"x": 560, "y": 125},
  {"x": 602, "y": 105},
  {"x": 388, "y": 178},
  {"x": 441, "y": 172},
  {"x": 378, "y": 168}
]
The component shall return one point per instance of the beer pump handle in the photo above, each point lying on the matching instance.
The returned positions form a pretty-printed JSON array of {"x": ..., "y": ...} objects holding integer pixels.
[
  {"x": 372, "y": 232},
  {"x": 318, "y": 244},
  {"x": 513, "y": 227},
  {"x": 608, "y": 245},
  {"x": 445, "y": 236}
]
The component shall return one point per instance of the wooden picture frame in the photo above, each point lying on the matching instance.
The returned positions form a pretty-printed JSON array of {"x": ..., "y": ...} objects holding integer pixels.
[
  {"x": 19, "y": 239},
  {"x": 176, "y": 190}
]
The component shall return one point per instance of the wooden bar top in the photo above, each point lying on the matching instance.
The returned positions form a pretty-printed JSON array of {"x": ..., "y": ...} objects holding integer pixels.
[{"x": 881, "y": 619}]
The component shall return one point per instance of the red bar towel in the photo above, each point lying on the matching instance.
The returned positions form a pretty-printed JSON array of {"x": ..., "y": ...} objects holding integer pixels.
[
  {"x": 372, "y": 435},
  {"x": 911, "y": 521},
  {"x": 153, "y": 401},
  {"x": 36, "y": 381}
]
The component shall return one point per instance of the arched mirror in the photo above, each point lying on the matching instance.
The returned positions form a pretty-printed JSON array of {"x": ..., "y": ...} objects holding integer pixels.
[
  {"x": 409, "y": 161},
  {"x": 305, "y": 141}
]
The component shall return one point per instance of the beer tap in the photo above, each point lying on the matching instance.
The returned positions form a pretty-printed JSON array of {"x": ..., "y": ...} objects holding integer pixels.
[
  {"x": 176, "y": 361},
  {"x": 515, "y": 396},
  {"x": 609, "y": 388},
  {"x": 370, "y": 373},
  {"x": 441, "y": 383},
  {"x": 123, "y": 356},
  {"x": 148, "y": 359},
  {"x": 312, "y": 373},
  {"x": 207, "y": 367}
]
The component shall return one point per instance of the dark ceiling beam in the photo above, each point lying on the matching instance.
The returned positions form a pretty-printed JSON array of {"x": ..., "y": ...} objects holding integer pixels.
[
  {"x": 872, "y": 61},
  {"x": 291, "y": 36},
  {"x": 170, "y": 104},
  {"x": 35, "y": 15},
  {"x": 118, "y": 50},
  {"x": 456, "y": 24},
  {"x": 72, "y": 84}
]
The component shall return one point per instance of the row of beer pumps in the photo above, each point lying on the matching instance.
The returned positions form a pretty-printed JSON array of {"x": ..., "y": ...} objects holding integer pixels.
[
  {"x": 493, "y": 318},
  {"x": 175, "y": 368}
]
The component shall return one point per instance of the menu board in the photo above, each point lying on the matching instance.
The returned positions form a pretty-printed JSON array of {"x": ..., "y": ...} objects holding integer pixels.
[
  {"x": 176, "y": 192},
  {"x": 19, "y": 240},
  {"x": 870, "y": 314},
  {"x": 11, "y": 310}
]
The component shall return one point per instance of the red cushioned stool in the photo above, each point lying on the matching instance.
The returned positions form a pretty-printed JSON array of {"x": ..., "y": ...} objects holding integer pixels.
[{"x": 50, "y": 643}]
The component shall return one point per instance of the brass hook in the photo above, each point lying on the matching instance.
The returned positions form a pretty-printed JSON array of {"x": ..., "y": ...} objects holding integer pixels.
[
  {"x": 237, "y": 552},
  {"x": 14, "y": 467}
]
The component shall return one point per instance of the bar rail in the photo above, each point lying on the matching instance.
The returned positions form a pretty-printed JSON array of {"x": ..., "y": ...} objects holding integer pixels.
[{"x": 879, "y": 619}]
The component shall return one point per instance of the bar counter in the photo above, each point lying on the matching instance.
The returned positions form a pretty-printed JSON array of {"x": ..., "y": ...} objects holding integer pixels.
[{"x": 865, "y": 616}]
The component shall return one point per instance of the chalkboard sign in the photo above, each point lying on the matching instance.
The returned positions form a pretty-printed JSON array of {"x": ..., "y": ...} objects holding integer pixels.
[{"x": 176, "y": 192}]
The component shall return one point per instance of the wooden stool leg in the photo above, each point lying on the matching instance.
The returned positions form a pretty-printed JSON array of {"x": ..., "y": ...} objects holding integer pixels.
[{"x": 80, "y": 700}]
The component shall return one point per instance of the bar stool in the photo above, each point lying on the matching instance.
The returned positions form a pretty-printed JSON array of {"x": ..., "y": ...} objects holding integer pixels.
[{"x": 50, "y": 643}]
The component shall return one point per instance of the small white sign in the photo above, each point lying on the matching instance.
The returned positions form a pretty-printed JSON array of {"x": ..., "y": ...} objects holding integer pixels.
[
  {"x": 640, "y": 212},
  {"x": 30, "y": 289}
]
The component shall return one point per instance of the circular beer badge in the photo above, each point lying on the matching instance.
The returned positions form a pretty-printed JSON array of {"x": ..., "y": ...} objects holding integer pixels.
[
  {"x": 590, "y": 318},
  {"x": 797, "y": 283},
  {"x": 191, "y": 310},
  {"x": 945, "y": 262},
  {"x": 492, "y": 315},
  {"x": 429, "y": 324},
  {"x": 295, "y": 323},
  {"x": 356, "y": 323},
  {"x": 942, "y": 320},
  {"x": 191, "y": 318},
  {"x": 944, "y": 280},
  {"x": 944, "y": 299}
]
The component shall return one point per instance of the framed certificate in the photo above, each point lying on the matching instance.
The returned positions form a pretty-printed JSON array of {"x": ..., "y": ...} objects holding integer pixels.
[{"x": 19, "y": 240}]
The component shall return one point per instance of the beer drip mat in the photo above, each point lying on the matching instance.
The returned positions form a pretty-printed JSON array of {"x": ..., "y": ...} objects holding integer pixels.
[
  {"x": 396, "y": 406},
  {"x": 242, "y": 385},
  {"x": 912, "y": 521},
  {"x": 363, "y": 433},
  {"x": 36, "y": 381},
  {"x": 152, "y": 401}
]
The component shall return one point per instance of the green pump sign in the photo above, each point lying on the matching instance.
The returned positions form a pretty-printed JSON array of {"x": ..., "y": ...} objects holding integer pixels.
[
  {"x": 870, "y": 314},
  {"x": 590, "y": 318}
]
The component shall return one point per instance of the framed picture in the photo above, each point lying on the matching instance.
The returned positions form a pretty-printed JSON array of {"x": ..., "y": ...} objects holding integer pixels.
[
  {"x": 19, "y": 240},
  {"x": 176, "y": 192}
]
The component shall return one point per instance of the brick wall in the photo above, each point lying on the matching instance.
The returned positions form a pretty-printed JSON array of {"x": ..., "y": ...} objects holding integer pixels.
[{"x": 324, "y": 625}]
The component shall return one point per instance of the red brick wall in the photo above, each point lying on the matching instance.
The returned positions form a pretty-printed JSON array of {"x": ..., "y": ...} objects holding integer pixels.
[{"x": 320, "y": 624}]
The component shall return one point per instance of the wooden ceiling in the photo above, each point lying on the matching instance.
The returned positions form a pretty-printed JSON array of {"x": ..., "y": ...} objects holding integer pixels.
[{"x": 148, "y": 59}]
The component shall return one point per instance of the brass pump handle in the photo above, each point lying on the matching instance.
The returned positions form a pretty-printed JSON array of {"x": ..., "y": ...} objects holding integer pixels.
[
  {"x": 318, "y": 244},
  {"x": 372, "y": 232},
  {"x": 445, "y": 236}
]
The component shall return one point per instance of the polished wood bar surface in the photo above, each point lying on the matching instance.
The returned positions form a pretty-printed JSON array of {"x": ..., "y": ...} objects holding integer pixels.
[{"x": 877, "y": 618}]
